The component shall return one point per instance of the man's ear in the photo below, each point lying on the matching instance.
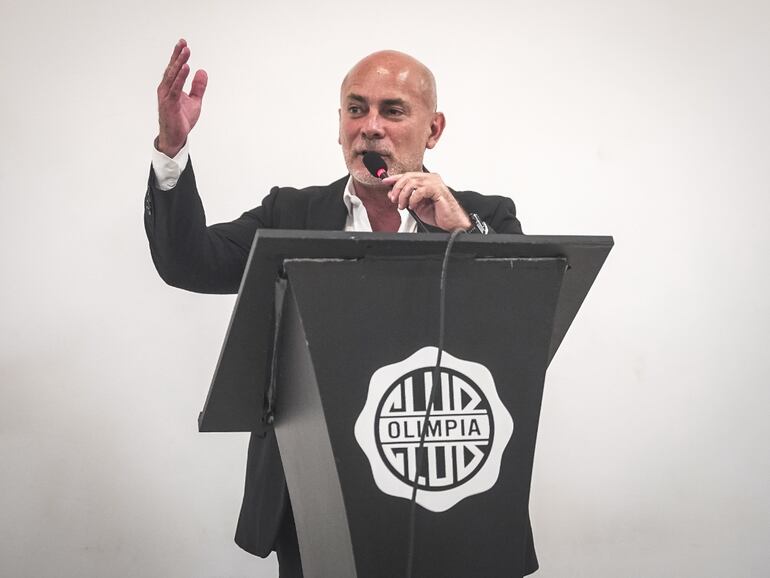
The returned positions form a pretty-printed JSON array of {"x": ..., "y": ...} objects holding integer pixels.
[
  {"x": 339, "y": 126},
  {"x": 437, "y": 125}
]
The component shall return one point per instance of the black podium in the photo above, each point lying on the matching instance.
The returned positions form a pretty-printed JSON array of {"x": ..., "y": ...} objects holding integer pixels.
[{"x": 333, "y": 342}]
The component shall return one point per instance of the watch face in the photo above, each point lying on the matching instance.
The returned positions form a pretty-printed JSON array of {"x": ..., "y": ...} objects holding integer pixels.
[{"x": 479, "y": 226}]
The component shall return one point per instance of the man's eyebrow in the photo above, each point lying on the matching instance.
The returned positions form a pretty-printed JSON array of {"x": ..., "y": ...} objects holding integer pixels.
[
  {"x": 387, "y": 102},
  {"x": 395, "y": 102}
]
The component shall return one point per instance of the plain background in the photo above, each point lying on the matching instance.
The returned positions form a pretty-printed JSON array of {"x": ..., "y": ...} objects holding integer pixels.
[{"x": 647, "y": 120}]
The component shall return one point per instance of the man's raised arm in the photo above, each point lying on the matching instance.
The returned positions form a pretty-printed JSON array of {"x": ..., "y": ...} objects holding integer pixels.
[{"x": 187, "y": 253}]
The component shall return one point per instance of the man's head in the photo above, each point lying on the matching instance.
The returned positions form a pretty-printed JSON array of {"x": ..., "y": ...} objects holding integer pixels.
[{"x": 388, "y": 105}]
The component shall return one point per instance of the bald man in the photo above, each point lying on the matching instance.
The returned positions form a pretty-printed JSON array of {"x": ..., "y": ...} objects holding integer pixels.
[{"x": 387, "y": 106}]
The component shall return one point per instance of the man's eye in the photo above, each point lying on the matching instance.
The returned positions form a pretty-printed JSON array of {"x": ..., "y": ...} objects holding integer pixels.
[
  {"x": 354, "y": 109},
  {"x": 395, "y": 112}
]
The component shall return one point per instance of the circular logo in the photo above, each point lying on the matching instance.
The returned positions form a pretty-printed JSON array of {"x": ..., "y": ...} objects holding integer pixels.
[
  {"x": 464, "y": 436},
  {"x": 457, "y": 435}
]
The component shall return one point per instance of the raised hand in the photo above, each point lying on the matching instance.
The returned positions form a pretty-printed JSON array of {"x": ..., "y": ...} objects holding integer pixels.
[{"x": 178, "y": 111}]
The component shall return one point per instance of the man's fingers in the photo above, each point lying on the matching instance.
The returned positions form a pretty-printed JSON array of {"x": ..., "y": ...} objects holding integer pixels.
[
  {"x": 404, "y": 188},
  {"x": 172, "y": 71},
  {"x": 395, "y": 190},
  {"x": 398, "y": 183},
  {"x": 405, "y": 191},
  {"x": 415, "y": 195},
  {"x": 181, "y": 43},
  {"x": 199, "y": 82},
  {"x": 418, "y": 196},
  {"x": 176, "y": 87}
]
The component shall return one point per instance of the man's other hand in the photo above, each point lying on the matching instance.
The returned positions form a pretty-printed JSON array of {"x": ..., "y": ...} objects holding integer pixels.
[
  {"x": 178, "y": 111},
  {"x": 428, "y": 196}
]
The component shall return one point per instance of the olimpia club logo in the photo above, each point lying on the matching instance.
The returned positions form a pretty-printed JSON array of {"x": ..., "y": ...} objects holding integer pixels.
[{"x": 466, "y": 434}]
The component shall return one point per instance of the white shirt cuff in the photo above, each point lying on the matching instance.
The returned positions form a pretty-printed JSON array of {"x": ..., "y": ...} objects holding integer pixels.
[{"x": 167, "y": 170}]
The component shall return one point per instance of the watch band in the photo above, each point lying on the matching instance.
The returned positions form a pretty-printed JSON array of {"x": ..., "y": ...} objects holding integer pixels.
[{"x": 478, "y": 226}]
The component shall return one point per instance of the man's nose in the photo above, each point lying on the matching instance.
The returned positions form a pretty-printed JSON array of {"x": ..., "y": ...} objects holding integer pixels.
[{"x": 372, "y": 126}]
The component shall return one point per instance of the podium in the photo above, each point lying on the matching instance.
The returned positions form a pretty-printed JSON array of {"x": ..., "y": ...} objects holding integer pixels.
[{"x": 333, "y": 342}]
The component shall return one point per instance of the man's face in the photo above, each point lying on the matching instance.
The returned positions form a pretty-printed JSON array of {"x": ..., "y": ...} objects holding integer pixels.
[{"x": 387, "y": 105}]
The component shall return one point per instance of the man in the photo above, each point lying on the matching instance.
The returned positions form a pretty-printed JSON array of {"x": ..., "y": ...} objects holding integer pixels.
[{"x": 387, "y": 106}]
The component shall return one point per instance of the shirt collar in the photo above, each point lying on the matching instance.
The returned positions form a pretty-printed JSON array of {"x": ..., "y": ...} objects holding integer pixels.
[
  {"x": 354, "y": 205},
  {"x": 349, "y": 196}
]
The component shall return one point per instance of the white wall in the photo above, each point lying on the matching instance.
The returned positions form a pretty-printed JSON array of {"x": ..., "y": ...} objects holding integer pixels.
[{"x": 647, "y": 120}]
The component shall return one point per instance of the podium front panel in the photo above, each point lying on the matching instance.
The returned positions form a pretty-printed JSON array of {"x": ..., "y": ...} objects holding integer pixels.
[{"x": 350, "y": 321}]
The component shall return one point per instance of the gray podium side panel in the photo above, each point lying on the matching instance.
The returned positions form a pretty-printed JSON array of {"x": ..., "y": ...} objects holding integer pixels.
[{"x": 305, "y": 446}]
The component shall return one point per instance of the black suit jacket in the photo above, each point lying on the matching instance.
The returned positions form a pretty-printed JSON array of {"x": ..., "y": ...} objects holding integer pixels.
[{"x": 192, "y": 256}]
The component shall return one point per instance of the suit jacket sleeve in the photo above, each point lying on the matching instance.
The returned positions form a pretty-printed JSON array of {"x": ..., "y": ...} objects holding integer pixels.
[
  {"x": 499, "y": 213},
  {"x": 187, "y": 253},
  {"x": 504, "y": 220}
]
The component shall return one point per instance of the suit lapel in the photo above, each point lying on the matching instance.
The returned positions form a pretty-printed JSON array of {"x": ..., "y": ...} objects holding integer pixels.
[{"x": 327, "y": 210}]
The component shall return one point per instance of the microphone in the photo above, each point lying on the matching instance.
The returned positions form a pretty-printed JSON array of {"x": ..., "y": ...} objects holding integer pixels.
[{"x": 376, "y": 165}]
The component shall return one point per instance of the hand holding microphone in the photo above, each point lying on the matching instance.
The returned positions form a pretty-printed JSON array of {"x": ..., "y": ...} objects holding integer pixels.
[{"x": 424, "y": 195}]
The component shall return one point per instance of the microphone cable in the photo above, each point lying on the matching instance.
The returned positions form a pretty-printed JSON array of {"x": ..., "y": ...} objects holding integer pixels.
[
  {"x": 436, "y": 380},
  {"x": 376, "y": 165}
]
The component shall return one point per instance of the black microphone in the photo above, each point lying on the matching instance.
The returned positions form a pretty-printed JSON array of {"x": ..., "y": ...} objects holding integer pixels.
[{"x": 376, "y": 165}]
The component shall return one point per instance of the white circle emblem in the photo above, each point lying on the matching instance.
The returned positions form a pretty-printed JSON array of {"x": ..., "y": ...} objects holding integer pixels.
[{"x": 466, "y": 434}]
